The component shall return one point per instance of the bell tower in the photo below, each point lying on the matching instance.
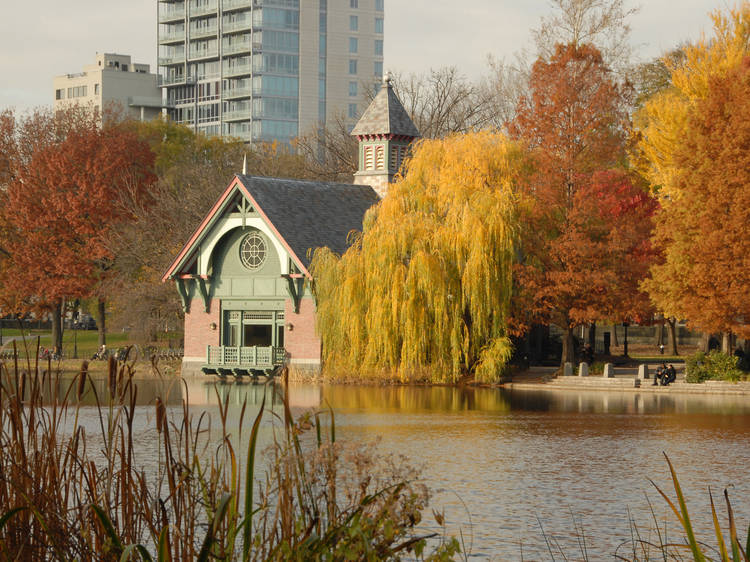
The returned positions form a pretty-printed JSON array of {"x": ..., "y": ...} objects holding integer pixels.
[{"x": 385, "y": 132}]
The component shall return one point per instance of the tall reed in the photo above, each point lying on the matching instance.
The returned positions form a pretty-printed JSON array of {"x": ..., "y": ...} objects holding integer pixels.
[{"x": 68, "y": 493}]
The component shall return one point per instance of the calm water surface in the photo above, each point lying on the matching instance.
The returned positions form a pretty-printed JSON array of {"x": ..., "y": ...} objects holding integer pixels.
[{"x": 506, "y": 464}]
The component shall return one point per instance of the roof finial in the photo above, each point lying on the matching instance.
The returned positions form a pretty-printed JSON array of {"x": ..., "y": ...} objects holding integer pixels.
[
  {"x": 387, "y": 78},
  {"x": 244, "y": 165}
]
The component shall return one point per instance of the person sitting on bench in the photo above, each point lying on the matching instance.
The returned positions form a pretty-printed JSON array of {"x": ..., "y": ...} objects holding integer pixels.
[
  {"x": 661, "y": 371},
  {"x": 670, "y": 375}
]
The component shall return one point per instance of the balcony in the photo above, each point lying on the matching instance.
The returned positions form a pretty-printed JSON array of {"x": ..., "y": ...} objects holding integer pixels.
[
  {"x": 238, "y": 70},
  {"x": 238, "y": 115},
  {"x": 171, "y": 13},
  {"x": 172, "y": 37},
  {"x": 242, "y": 361},
  {"x": 197, "y": 32},
  {"x": 172, "y": 59},
  {"x": 245, "y": 136},
  {"x": 228, "y": 5},
  {"x": 237, "y": 25},
  {"x": 234, "y": 93},
  {"x": 202, "y": 10},
  {"x": 203, "y": 54},
  {"x": 171, "y": 80},
  {"x": 147, "y": 101},
  {"x": 234, "y": 48}
]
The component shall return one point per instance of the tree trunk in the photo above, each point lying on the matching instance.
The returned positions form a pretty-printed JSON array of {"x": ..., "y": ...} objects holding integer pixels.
[
  {"x": 568, "y": 347},
  {"x": 726, "y": 342},
  {"x": 705, "y": 339},
  {"x": 57, "y": 332},
  {"x": 659, "y": 333},
  {"x": 615, "y": 343},
  {"x": 672, "y": 325},
  {"x": 592, "y": 336},
  {"x": 101, "y": 322}
]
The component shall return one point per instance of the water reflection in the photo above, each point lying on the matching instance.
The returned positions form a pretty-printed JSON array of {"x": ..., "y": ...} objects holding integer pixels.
[
  {"x": 96, "y": 390},
  {"x": 499, "y": 459}
]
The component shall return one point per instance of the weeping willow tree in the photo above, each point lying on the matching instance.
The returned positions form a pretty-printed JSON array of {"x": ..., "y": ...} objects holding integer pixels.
[{"x": 426, "y": 287}]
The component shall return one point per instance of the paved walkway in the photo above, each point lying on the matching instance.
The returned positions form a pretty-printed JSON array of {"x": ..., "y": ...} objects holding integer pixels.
[{"x": 625, "y": 380}]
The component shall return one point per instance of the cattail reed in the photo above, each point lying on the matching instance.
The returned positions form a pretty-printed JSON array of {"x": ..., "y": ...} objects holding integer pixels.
[
  {"x": 161, "y": 416},
  {"x": 82, "y": 379}
]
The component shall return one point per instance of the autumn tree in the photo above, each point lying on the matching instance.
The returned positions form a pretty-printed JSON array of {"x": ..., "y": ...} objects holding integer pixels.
[
  {"x": 703, "y": 228},
  {"x": 600, "y": 23},
  {"x": 661, "y": 123},
  {"x": 587, "y": 225},
  {"x": 426, "y": 288},
  {"x": 68, "y": 178}
]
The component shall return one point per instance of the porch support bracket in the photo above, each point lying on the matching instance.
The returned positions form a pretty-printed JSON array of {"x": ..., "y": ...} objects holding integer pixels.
[
  {"x": 203, "y": 290},
  {"x": 295, "y": 287},
  {"x": 182, "y": 290}
]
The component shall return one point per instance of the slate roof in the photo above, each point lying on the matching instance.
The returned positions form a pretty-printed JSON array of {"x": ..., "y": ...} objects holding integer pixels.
[
  {"x": 310, "y": 214},
  {"x": 386, "y": 116}
]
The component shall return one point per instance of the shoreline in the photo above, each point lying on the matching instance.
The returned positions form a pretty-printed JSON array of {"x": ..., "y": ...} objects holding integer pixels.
[{"x": 538, "y": 378}]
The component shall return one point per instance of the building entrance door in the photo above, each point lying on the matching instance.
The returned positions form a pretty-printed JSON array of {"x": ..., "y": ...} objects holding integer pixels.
[
  {"x": 253, "y": 328},
  {"x": 257, "y": 335}
]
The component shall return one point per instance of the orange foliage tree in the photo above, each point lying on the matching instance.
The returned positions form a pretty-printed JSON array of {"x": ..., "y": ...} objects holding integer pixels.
[
  {"x": 705, "y": 274},
  {"x": 586, "y": 242},
  {"x": 64, "y": 192}
]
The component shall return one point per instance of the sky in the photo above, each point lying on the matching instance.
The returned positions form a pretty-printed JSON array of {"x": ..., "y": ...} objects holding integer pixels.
[{"x": 41, "y": 39}]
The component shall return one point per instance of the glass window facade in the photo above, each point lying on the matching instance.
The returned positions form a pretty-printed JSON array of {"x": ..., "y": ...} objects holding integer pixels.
[{"x": 234, "y": 67}]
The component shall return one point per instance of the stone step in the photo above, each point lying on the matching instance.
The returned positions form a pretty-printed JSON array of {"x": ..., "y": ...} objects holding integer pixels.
[{"x": 625, "y": 382}]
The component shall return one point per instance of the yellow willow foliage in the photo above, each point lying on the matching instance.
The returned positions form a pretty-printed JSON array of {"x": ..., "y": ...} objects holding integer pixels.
[
  {"x": 427, "y": 285},
  {"x": 662, "y": 121}
]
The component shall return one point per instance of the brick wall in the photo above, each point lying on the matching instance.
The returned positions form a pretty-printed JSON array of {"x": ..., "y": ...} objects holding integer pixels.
[
  {"x": 301, "y": 342},
  {"x": 198, "y": 332}
]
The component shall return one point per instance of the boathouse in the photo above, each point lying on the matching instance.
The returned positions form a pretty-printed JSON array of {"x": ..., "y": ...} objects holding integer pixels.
[{"x": 243, "y": 276}]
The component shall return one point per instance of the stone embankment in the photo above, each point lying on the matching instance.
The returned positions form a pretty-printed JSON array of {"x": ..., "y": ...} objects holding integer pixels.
[{"x": 625, "y": 379}]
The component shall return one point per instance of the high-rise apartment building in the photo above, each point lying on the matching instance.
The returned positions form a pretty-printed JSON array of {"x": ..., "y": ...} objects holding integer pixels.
[
  {"x": 112, "y": 79},
  {"x": 265, "y": 70}
]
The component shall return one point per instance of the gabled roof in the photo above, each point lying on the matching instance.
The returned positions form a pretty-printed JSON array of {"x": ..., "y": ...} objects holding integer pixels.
[
  {"x": 304, "y": 215},
  {"x": 386, "y": 116}
]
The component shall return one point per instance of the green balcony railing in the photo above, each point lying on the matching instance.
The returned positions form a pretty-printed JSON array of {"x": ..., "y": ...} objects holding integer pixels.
[{"x": 247, "y": 357}]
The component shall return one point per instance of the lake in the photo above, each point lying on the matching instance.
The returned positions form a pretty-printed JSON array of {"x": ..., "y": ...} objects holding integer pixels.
[{"x": 506, "y": 464}]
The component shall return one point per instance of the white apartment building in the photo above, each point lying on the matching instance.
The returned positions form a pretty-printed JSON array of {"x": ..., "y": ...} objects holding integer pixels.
[
  {"x": 112, "y": 79},
  {"x": 264, "y": 70}
]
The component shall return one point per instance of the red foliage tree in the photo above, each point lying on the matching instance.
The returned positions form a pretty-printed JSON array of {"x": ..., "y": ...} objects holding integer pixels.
[
  {"x": 63, "y": 196},
  {"x": 586, "y": 246}
]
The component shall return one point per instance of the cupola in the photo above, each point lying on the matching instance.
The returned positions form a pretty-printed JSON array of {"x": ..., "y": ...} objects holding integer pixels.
[{"x": 385, "y": 132}]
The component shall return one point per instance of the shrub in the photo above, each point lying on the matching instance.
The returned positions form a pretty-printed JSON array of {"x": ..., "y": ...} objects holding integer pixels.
[
  {"x": 596, "y": 368},
  {"x": 712, "y": 366}
]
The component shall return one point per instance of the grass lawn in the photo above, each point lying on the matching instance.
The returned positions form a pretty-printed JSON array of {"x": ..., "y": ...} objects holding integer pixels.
[
  {"x": 659, "y": 358},
  {"x": 86, "y": 342}
]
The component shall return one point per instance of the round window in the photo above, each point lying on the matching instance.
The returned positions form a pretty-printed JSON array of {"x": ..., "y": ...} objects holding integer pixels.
[{"x": 253, "y": 251}]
